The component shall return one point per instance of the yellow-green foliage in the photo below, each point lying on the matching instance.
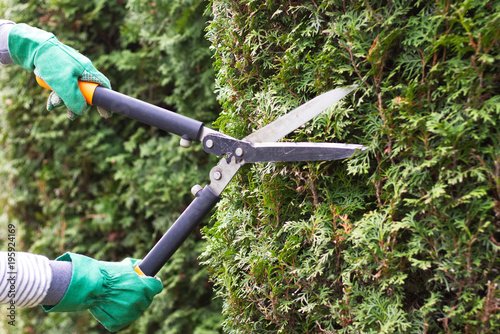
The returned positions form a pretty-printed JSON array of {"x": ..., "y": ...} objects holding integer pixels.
[{"x": 403, "y": 238}]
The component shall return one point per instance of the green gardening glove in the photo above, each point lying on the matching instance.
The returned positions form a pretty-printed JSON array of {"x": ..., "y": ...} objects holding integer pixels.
[
  {"x": 57, "y": 64},
  {"x": 112, "y": 291}
]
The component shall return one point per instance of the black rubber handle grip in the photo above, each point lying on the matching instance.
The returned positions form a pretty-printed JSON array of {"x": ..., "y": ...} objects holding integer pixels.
[
  {"x": 147, "y": 113},
  {"x": 204, "y": 202}
]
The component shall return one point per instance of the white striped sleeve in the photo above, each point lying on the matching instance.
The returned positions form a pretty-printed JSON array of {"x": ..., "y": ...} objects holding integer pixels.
[
  {"x": 5, "y": 27},
  {"x": 25, "y": 278}
]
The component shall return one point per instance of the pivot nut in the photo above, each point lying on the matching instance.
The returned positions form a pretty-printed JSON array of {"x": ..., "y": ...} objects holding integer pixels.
[
  {"x": 185, "y": 142},
  {"x": 209, "y": 143},
  {"x": 196, "y": 189}
]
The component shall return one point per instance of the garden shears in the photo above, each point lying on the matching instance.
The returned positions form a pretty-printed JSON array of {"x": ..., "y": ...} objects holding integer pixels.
[{"x": 260, "y": 146}]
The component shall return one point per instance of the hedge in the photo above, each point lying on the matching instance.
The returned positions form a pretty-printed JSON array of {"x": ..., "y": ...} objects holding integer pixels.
[{"x": 403, "y": 238}]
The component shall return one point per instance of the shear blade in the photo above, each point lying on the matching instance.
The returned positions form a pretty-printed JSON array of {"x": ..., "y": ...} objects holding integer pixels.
[
  {"x": 291, "y": 121},
  {"x": 286, "y": 152}
]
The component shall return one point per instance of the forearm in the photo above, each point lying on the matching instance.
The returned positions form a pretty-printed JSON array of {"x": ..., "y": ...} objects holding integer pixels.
[
  {"x": 30, "y": 280},
  {"x": 5, "y": 27}
]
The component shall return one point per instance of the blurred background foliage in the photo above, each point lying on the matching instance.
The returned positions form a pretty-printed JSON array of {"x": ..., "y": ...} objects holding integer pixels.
[
  {"x": 110, "y": 188},
  {"x": 402, "y": 238}
]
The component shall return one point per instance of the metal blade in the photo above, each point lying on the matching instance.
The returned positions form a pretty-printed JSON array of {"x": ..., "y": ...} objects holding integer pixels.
[
  {"x": 221, "y": 175},
  {"x": 274, "y": 152},
  {"x": 279, "y": 128},
  {"x": 243, "y": 151}
]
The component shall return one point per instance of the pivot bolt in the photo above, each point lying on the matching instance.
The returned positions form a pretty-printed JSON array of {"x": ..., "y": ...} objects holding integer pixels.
[
  {"x": 217, "y": 175},
  {"x": 209, "y": 143},
  {"x": 239, "y": 151}
]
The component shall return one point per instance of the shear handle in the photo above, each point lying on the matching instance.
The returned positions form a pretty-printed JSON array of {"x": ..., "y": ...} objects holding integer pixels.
[
  {"x": 204, "y": 202},
  {"x": 144, "y": 112}
]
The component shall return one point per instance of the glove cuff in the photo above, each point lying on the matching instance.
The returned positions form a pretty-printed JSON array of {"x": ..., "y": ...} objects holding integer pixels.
[
  {"x": 24, "y": 42},
  {"x": 85, "y": 286}
]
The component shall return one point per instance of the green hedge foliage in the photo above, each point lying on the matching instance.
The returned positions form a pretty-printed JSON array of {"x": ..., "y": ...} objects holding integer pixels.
[
  {"x": 401, "y": 239},
  {"x": 110, "y": 188}
]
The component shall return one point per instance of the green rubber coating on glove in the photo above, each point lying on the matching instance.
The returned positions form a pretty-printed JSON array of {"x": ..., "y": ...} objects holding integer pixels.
[
  {"x": 58, "y": 65},
  {"x": 112, "y": 291}
]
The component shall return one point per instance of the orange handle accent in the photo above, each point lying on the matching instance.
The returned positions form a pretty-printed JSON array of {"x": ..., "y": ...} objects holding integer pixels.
[
  {"x": 87, "y": 88},
  {"x": 139, "y": 271}
]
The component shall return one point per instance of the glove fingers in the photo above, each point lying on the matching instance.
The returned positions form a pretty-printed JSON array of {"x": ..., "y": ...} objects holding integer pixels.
[
  {"x": 95, "y": 77},
  {"x": 72, "y": 116},
  {"x": 72, "y": 97},
  {"x": 54, "y": 101},
  {"x": 116, "y": 312},
  {"x": 104, "y": 112},
  {"x": 109, "y": 320},
  {"x": 98, "y": 78}
]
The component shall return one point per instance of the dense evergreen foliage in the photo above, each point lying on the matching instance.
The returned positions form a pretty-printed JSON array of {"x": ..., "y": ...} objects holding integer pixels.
[{"x": 402, "y": 238}]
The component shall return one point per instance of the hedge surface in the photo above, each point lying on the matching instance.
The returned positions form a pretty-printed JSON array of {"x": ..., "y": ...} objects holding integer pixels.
[{"x": 402, "y": 238}]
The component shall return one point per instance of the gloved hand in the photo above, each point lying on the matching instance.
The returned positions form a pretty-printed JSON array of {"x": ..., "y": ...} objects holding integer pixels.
[
  {"x": 112, "y": 291},
  {"x": 57, "y": 64}
]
